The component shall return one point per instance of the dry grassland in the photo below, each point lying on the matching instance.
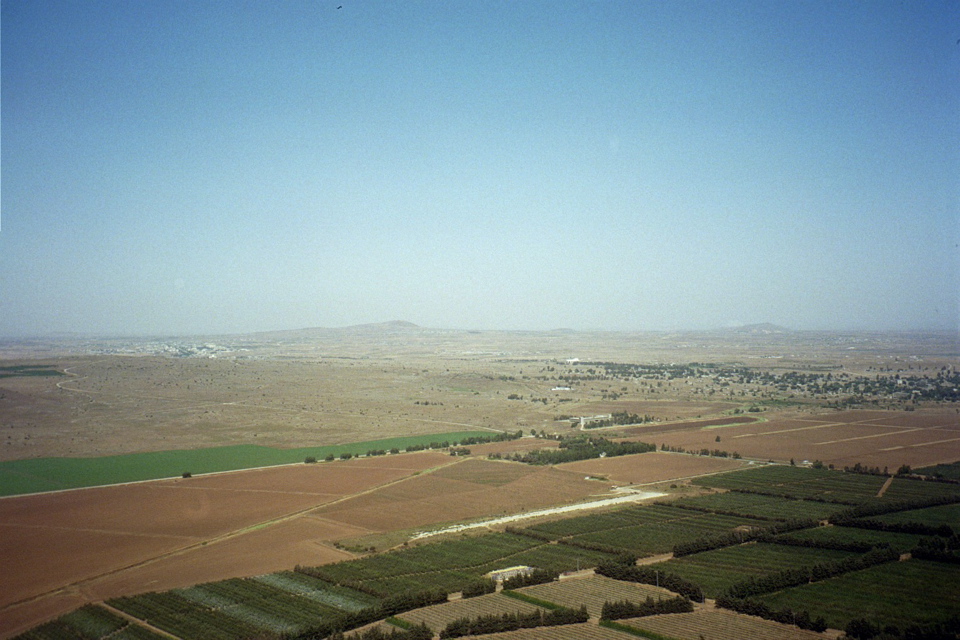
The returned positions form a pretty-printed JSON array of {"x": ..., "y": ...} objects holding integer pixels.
[{"x": 316, "y": 388}]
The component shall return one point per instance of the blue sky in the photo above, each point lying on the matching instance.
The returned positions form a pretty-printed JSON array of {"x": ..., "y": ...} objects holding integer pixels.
[{"x": 214, "y": 167}]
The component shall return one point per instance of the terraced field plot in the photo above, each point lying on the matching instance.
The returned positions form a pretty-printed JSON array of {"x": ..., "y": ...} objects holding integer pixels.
[
  {"x": 902, "y": 542},
  {"x": 899, "y": 593},
  {"x": 718, "y": 624},
  {"x": 715, "y": 571},
  {"x": 91, "y": 622},
  {"x": 593, "y": 592},
  {"x": 586, "y": 631},
  {"x": 947, "y": 514},
  {"x": 439, "y": 616},
  {"x": 761, "y": 506},
  {"x": 644, "y": 530},
  {"x": 453, "y": 564},
  {"x": 799, "y": 483},
  {"x": 276, "y": 604}
]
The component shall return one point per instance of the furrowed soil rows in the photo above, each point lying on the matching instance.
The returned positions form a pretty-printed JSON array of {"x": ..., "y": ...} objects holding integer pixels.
[
  {"x": 645, "y": 468},
  {"x": 586, "y": 631},
  {"x": 718, "y": 624},
  {"x": 440, "y": 615},
  {"x": 593, "y": 591}
]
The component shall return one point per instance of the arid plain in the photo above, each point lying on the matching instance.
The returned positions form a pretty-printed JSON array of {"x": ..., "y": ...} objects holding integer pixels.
[{"x": 880, "y": 400}]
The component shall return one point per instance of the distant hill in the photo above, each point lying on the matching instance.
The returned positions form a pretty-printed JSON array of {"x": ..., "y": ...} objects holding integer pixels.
[{"x": 371, "y": 329}]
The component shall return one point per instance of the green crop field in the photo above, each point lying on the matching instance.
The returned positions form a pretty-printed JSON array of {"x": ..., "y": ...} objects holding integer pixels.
[
  {"x": 715, "y": 571},
  {"x": 951, "y": 471},
  {"x": 902, "y": 542},
  {"x": 897, "y": 593},
  {"x": 29, "y": 370},
  {"x": 761, "y": 506},
  {"x": 799, "y": 483},
  {"x": 660, "y": 537},
  {"x": 948, "y": 514},
  {"x": 452, "y": 565},
  {"x": 911, "y": 489},
  {"x": 91, "y": 622},
  {"x": 51, "y": 474}
]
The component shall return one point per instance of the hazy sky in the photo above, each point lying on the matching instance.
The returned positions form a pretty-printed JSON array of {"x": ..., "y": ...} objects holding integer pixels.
[{"x": 201, "y": 167}]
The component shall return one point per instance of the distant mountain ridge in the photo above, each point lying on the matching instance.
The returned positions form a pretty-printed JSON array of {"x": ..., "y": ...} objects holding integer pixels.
[
  {"x": 762, "y": 328},
  {"x": 373, "y": 328}
]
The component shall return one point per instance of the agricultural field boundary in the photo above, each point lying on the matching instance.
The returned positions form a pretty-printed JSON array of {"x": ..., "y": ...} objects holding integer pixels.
[{"x": 43, "y": 475}]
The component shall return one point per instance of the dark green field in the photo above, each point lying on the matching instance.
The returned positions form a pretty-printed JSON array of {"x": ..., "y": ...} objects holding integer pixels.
[
  {"x": 899, "y": 593},
  {"x": 716, "y": 571}
]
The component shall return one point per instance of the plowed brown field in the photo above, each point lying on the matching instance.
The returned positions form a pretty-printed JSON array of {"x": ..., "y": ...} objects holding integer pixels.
[
  {"x": 876, "y": 438},
  {"x": 645, "y": 468},
  {"x": 108, "y": 541}
]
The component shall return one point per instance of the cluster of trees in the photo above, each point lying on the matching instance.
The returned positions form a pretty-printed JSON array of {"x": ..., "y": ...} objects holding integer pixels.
[
  {"x": 716, "y": 453},
  {"x": 786, "y": 578},
  {"x": 330, "y": 628},
  {"x": 916, "y": 528},
  {"x": 732, "y": 538},
  {"x": 537, "y": 576},
  {"x": 513, "y": 621},
  {"x": 471, "y": 440},
  {"x": 619, "y": 570},
  {"x": 938, "y": 549},
  {"x": 582, "y": 448},
  {"x": 786, "y": 615},
  {"x": 825, "y": 498},
  {"x": 479, "y": 588},
  {"x": 619, "y": 418},
  {"x": 864, "y": 629},
  {"x": 856, "y": 546},
  {"x": 626, "y": 609}
]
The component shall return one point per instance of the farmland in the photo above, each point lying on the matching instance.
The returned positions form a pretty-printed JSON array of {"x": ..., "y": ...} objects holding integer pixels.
[
  {"x": 897, "y": 594},
  {"x": 54, "y": 474},
  {"x": 718, "y": 624},
  {"x": 272, "y": 401},
  {"x": 716, "y": 571}
]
